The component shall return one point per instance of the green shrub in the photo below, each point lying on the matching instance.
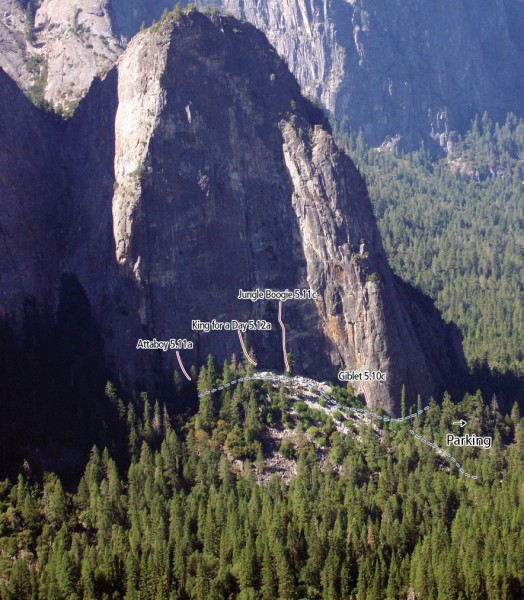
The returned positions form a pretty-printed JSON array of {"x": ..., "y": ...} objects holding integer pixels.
[
  {"x": 373, "y": 277},
  {"x": 287, "y": 449},
  {"x": 358, "y": 258}
]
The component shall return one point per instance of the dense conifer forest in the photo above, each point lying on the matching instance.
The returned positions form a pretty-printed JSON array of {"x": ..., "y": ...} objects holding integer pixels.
[{"x": 192, "y": 509}]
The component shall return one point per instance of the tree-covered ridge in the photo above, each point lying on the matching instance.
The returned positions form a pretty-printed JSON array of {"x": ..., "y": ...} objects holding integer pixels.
[
  {"x": 455, "y": 229},
  {"x": 491, "y": 150},
  {"x": 382, "y": 517}
]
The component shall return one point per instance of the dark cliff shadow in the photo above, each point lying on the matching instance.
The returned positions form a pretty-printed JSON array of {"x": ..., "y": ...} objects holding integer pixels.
[
  {"x": 459, "y": 378},
  {"x": 442, "y": 341},
  {"x": 506, "y": 386},
  {"x": 52, "y": 379}
]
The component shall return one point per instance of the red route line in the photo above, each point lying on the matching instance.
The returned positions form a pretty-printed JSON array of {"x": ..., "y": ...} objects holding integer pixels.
[
  {"x": 283, "y": 334},
  {"x": 365, "y": 395},
  {"x": 182, "y": 366},
  {"x": 244, "y": 349}
]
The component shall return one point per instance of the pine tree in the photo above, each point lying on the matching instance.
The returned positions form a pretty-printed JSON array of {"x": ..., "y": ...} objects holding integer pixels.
[
  {"x": 259, "y": 461},
  {"x": 268, "y": 581},
  {"x": 286, "y": 585},
  {"x": 156, "y": 423},
  {"x": 206, "y": 416},
  {"x": 166, "y": 422},
  {"x": 56, "y": 510},
  {"x": 147, "y": 430},
  {"x": 371, "y": 540},
  {"x": 291, "y": 364},
  {"x": 393, "y": 587},
  {"x": 515, "y": 414},
  {"x": 19, "y": 586},
  {"x": 66, "y": 576}
]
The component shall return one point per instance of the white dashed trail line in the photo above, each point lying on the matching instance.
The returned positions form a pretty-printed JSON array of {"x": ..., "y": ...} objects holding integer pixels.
[{"x": 356, "y": 411}]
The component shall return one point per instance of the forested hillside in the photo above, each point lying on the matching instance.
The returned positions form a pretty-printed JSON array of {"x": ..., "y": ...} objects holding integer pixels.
[
  {"x": 195, "y": 169},
  {"x": 455, "y": 229},
  {"x": 372, "y": 514}
]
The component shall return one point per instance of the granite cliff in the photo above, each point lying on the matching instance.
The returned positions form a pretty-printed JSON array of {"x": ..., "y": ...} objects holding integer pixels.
[
  {"x": 399, "y": 70},
  {"x": 196, "y": 168},
  {"x": 402, "y": 71},
  {"x": 31, "y": 195}
]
